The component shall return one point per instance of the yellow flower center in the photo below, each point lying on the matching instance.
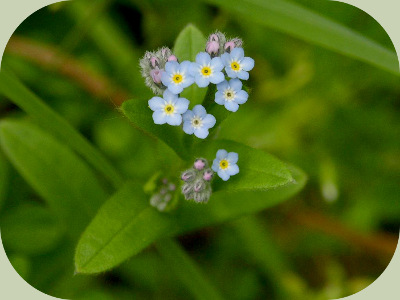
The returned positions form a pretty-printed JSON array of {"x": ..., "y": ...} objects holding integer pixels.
[
  {"x": 206, "y": 71},
  {"x": 177, "y": 78},
  {"x": 169, "y": 109},
  {"x": 235, "y": 66},
  {"x": 223, "y": 164}
]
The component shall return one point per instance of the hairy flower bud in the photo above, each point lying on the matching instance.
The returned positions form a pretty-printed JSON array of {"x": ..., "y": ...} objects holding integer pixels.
[
  {"x": 208, "y": 175},
  {"x": 172, "y": 58},
  {"x": 199, "y": 185},
  {"x": 234, "y": 43},
  {"x": 199, "y": 164},
  {"x": 188, "y": 175},
  {"x": 215, "y": 44}
]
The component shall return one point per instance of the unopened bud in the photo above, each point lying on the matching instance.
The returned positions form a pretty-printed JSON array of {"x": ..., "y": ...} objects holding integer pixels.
[
  {"x": 154, "y": 62},
  {"x": 199, "y": 164},
  {"x": 187, "y": 188},
  {"x": 172, "y": 58},
  {"x": 188, "y": 175},
  {"x": 234, "y": 43},
  {"x": 156, "y": 75},
  {"x": 212, "y": 47},
  {"x": 208, "y": 175},
  {"x": 199, "y": 185}
]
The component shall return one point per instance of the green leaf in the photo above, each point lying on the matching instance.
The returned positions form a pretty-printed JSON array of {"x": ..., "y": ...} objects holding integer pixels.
[
  {"x": 12, "y": 88},
  {"x": 258, "y": 169},
  {"x": 3, "y": 179},
  {"x": 55, "y": 172},
  {"x": 305, "y": 24},
  {"x": 187, "y": 45},
  {"x": 30, "y": 229},
  {"x": 126, "y": 223},
  {"x": 140, "y": 115}
]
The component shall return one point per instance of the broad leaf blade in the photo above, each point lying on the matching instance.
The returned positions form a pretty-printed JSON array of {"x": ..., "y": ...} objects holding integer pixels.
[
  {"x": 305, "y": 24},
  {"x": 187, "y": 45},
  {"x": 55, "y": 172},
  {"x": 126, "y": 223},
  {"x": 140, "y": 115}
]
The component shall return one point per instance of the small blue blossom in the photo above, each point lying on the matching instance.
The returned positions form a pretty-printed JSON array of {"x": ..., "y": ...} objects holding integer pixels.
[
  {"x": 176, "y": 76},
  {"x": 197, "y": 121},
  {"x": 236, "y": 65},
  {"x": 168, "y": 109},
  {"x": 206, "y": 70},
  {"x": 225, "y": 164},
  {"x": 230, "y": 94}
]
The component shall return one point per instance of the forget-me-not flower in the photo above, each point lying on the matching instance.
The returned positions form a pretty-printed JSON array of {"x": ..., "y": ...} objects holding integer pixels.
[
  {"x": 225, "y": 164},
  {"x": 236, "y": 65},
  {"x": 230, "y": 94},
  {"x": 206, "y": 70},
  {"x": 176, "y": 76},
  {"x": 197, "y": 121},
  {"x": 168, "y": 109}
]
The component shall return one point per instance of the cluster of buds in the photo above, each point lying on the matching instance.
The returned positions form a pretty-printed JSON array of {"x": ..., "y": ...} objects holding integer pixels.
[
  {"x": 152, "y": 65},
  {"x": 163, "y": 200},
  {"x": 217, "y": 44},
  {"x": 197, "y": 180}
]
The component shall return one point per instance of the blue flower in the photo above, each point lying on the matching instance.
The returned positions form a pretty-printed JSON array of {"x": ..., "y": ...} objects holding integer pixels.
[
  {"x": 168, "y": 109},
  {"x": 206, "y": 70},
  {"x": 225, "y": 164},
  {"x": 236, "y": 65},
  {"x": 198, "y": 122},
  {"x": 176, "y": 76},
  {"x": 230, "y": 94}
]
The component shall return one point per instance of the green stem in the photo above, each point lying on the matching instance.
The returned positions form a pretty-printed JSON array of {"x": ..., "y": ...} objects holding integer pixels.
[{"x": 187, "y": 270}]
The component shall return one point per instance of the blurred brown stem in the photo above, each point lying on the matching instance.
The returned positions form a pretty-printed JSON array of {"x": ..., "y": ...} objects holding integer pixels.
[{"x": 53, "y": 59}]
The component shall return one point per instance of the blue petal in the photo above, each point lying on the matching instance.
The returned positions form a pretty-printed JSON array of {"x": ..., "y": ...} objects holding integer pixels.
[
  {"x": 174, "y": 119},
  {"x": 185, "y": 66},
  {"x": 201, "y": 133},
  {"x": 199, "y": 111},
  {"x": 171, "y": 67},
  {"x": 235, "y": 84},
  {"x": 187, "y": 127},
  {"x": 223, "y": 174},
  {"x": 201, "y": 81},
  {"x": 222, "y": 154},
  {"x": 217, "y": 77},
  {"x": 219, "y": 98},
  {"x": 194, "y": 69},
  {"x": 174, "y": 88},
  {"x": 188, "y": 116},
  {"x": 237, "y": 54},
  {"x": 169, "y": 97},
  {"x": 247, "y": 63},
  {"x": 231, "y": 106},
  {"x": 188, "y": 81},
  {"x": 217, "y": 64},
  {"x": 232, "y": 170},
  {"x": 203, "y": 58},
  {"x": 222, "y": 86},
  {"x": 159, "y": 117},
  {"x": 241, "y": 97},
  {"x": 230, "y": 72},
  {"x": 226, "y": 59},
  {"x": 181, "y": 105},
  {"x": 156, "y": 103},
  {"x": 243, "y": 75},
  {"x": 215, "y": 165},
  {"x": 233, "y": 157},
  {"x": 209, "y": 121},
  {"x": 166, "y": 78}
]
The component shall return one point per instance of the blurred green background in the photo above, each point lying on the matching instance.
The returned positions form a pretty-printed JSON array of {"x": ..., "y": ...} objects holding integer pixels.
[{"x": 333, "y": 116}]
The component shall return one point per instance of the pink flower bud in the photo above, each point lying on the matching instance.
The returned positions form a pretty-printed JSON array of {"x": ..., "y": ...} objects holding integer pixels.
[
  {"x": 214, "y": 37},
  {"x": 154, "y": 61},
  {"x": 199, "y": 164},
  {"x": 172, "y": 58},
  {"x": 156, "y": 75},
  {"x": 212, "y": 47},
  {"x": 229, "y": 46},
  {"x": 208, "y": 175}
]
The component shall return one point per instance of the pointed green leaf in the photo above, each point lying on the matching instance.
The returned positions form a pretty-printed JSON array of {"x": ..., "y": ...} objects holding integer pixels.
[
  {"x": 305, "y": 24},
  {"x": 126, "y": 223},
  {"x": 55, "y": 172},
  {"x": 187, "y": 45}
]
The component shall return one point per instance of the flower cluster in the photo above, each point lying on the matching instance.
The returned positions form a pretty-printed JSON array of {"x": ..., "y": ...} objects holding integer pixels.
[
  {"x": 197, "y": 180},
  {"x": 165, "y": 75},
  {"x": 163, "y": 199}
]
